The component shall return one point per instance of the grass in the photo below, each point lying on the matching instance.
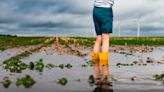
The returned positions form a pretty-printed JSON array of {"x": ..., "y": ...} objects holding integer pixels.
[
  {"x": 7, "y": 41},
  {"x": 137, "y": 41},
  {"x": 159, "y": 41},
  {"x": 89, "y": 41}
]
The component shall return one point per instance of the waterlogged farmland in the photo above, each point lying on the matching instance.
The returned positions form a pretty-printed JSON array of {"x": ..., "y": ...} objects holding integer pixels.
[{"x": 62, "y": 64}]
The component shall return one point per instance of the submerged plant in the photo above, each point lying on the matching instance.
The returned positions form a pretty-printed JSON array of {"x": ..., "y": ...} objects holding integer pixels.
[
  {"x": 90, "y": 63},
  {"x": 31, "y": 66},
  {"x": 61, "y": 66},
  {"x": 50, "y": 66},
  {"x": 6, "y": 82},
  {"x": 84, "y": 65},
  {"x": 26, "y": 81},
  {"x": 91, "y": 80},
  {"x": 14, "y": 66},
  {"x": 68, "y": 66},
  {"x": 23, "y": 66},
  {"x": 39, "y": 65},
  {"x": 159, "y": 77},
  {"x": 130, "y": 64},
  {"x": 126, "y": 54},
  {"x": 63, "y": 81},
  {"x": 118, "y": 64}
]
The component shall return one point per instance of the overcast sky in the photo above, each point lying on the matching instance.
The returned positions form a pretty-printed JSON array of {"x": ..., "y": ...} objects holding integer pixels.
[{"x": 74, "y": 17}]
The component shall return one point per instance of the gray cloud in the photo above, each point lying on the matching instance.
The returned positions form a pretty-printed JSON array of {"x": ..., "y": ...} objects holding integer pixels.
[{"x": 74, "y": 17}]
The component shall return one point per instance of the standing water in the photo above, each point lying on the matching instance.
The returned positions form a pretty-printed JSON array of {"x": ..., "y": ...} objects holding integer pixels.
[{"x": 76, "y": 74}]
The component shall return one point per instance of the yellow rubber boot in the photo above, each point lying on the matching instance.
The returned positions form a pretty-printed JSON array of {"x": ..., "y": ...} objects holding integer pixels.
[
  {"x": 95, "y": 57},
  {"x": 103, "y": 58}
]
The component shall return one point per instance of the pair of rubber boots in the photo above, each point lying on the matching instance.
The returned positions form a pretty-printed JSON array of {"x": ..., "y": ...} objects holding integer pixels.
[{"x": 101, "y": 58}]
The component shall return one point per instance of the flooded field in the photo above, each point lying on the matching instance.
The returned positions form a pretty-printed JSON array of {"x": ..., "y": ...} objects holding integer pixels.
[
  {"x": 81, "y": 76},
  {"x": 67, "y": 68}
]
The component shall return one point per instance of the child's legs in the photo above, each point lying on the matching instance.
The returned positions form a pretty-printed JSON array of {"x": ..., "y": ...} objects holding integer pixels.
[
  {"x": 97, "y": 45},
  {"x": 105, "y": 42},
  {"x": 103, "y": 20}
]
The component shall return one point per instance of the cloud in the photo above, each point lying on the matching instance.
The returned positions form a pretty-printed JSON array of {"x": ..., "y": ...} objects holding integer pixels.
[{"x": 74, "y": 17}]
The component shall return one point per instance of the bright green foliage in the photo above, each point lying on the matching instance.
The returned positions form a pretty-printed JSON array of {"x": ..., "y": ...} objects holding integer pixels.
[{"x": 26, "y": 81}]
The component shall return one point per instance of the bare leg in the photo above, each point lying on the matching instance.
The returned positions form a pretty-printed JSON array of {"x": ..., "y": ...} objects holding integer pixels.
[
  {"x": 97, "y": 45},
  {"x": 105, "y": 42}
]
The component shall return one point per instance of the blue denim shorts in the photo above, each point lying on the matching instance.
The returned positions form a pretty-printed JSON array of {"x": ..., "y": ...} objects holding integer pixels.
[{"x": 103, "y": 20}]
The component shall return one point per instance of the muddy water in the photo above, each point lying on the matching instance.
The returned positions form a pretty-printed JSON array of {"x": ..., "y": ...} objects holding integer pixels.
[
  {"x": 10, "y": 53},
  {"x": 47, "y": 80},
  {"x": 6, "y": 54}
]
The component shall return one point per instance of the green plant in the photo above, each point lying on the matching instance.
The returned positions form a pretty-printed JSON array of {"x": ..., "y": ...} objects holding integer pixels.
[
  {"x": 50, "y": 66},
  {"x": 68, "y": 66},
  {"x": 39, "y": 65},
  {"x": 26, "y": 81},
  {"x": 159, "y": 77},
  {"x": 62, "y": 81},
  {"x": 6, "y": 82}
]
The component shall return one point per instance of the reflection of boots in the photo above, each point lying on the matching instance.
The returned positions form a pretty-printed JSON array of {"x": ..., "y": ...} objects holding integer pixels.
[
  {"x": 95, "y": 57},
  {"x": 105, "y": 72},
  {"x": 103, "y": 58}
]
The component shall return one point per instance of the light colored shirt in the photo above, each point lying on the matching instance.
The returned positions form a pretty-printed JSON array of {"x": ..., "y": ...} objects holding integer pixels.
[{"x": 104, "y": 3}]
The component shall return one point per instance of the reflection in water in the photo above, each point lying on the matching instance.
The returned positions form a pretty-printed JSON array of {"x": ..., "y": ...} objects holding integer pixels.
[
  {"x": 6, "y": 82},
  {"x": 102, "y": 78}
]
